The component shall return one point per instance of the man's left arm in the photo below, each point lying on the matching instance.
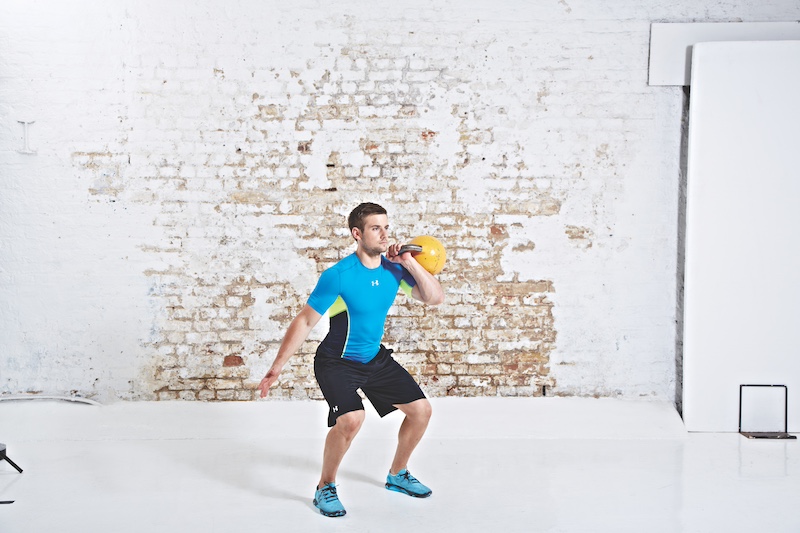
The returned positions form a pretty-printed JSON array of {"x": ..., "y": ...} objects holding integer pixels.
[{"x": 427, "y": 290}]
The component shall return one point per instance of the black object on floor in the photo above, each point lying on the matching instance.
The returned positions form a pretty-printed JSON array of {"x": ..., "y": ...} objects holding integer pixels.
[
  {"x": 4, "y": 456},
  {"x": 768, "y": 434}
]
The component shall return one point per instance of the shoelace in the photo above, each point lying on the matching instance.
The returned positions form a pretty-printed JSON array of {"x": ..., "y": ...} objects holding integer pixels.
[
  {"x": 408, "y": 477},
  {"x": 328, "y": 493}
]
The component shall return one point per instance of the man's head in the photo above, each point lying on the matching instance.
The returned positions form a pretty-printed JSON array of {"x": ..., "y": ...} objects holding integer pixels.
[
  {"x": 361, "y": 212},
  {"x": 369, "y": 226}
]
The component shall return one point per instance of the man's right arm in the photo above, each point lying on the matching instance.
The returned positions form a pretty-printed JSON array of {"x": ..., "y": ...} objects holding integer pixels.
[{"x": 297, "y": 333}]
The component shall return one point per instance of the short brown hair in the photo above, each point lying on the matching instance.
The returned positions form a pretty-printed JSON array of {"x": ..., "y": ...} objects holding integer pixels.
[{"x": 361, "y": 212}]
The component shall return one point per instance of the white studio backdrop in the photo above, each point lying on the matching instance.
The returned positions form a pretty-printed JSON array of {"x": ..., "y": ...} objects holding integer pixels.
[{"x": 742, "y": 286}]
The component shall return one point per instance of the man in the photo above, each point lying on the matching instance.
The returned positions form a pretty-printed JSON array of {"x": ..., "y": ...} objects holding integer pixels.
[{"x": 357, "y": 293}]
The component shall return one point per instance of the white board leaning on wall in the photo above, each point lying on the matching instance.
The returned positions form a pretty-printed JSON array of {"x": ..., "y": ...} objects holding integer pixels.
[{"x": 742, "y": 292}]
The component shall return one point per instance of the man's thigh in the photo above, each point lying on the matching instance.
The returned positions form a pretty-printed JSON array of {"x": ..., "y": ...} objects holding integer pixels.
[{"x": 339, "y": 381}]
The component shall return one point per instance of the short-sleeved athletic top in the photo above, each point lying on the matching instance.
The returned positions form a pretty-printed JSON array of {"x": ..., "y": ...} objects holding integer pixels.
[{"x": 357, "y": 300}]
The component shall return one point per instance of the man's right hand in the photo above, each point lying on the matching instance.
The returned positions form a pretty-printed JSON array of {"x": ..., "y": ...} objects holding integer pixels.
[{"x": 266, "y": 383}]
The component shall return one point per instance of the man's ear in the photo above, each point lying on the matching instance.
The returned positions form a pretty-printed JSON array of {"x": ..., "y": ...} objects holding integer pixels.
[{"x": 356, "y": 233}]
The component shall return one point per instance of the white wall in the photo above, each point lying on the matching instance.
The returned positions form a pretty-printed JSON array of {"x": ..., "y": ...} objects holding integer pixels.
[{"x": 553, "y": 94}]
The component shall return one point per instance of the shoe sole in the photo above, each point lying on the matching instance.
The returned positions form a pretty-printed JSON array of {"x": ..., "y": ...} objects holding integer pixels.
[
  {"x": 333, "y": 514},
  {"x": 397, "y": 488}
]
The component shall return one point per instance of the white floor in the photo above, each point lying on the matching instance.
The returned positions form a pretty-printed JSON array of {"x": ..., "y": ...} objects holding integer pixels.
[{"x": 501, "y": 465}]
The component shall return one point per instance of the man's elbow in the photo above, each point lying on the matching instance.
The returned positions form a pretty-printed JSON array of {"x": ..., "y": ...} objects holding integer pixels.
[
  {"x": 428, "y": 296},
  {"x": 436, "y": 299}
]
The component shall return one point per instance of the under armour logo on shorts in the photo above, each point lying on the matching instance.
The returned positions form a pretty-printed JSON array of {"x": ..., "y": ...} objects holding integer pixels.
[{"x": 335, "y": 408}]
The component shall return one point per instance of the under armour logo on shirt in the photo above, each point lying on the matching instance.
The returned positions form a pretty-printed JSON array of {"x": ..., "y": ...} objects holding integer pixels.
[{"x": 375, "y": 283}]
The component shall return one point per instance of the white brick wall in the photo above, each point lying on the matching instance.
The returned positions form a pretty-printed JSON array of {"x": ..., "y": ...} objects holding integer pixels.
[{"x": 195, "y": 161}]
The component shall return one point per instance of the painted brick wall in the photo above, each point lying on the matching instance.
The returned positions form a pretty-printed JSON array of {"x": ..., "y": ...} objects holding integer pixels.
[{"x": 195, "y": 162}]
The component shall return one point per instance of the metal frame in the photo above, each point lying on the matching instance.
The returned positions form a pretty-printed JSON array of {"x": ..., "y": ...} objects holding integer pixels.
[
  {"x": 768, "y": 434},
  {"x": 3, "y": 456}
]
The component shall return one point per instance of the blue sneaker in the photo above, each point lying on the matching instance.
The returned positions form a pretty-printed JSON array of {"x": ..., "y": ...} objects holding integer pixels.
[
  {"x": 326, "y": 500},
  {"x": 405, "y": 482}
]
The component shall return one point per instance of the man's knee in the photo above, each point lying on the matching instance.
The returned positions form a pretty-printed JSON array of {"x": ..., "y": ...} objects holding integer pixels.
[
  {"x": 349, "y": 423},
  {"x": 425, "y": 409},
  {"x": 420, "y": 410}
]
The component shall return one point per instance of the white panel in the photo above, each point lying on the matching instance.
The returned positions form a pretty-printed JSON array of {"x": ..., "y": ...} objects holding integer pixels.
[
  {"x": 742, "y": 292},
  {"x": 671, "y": 44}
]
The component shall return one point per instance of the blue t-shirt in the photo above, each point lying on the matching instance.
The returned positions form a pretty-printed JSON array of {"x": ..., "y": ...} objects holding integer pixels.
[{"x": 357, "y": 300}]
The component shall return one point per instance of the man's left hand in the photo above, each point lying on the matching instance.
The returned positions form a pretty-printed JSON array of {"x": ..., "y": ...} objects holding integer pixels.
[{"x": 393, "y": 255}]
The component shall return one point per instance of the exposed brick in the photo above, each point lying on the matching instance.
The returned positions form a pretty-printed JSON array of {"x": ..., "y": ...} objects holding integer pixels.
[{"x": 233, "y": 360}]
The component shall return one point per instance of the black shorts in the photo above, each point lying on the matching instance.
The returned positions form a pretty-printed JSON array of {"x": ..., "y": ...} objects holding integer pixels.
[{"x": 383, "y": 381}]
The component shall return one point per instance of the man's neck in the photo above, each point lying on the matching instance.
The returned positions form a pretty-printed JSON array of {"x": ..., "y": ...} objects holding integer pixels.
[{"x": 368, "y": 260}]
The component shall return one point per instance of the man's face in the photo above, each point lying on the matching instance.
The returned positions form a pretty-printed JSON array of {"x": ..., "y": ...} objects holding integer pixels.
[{"x": 375, "y": 238}]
